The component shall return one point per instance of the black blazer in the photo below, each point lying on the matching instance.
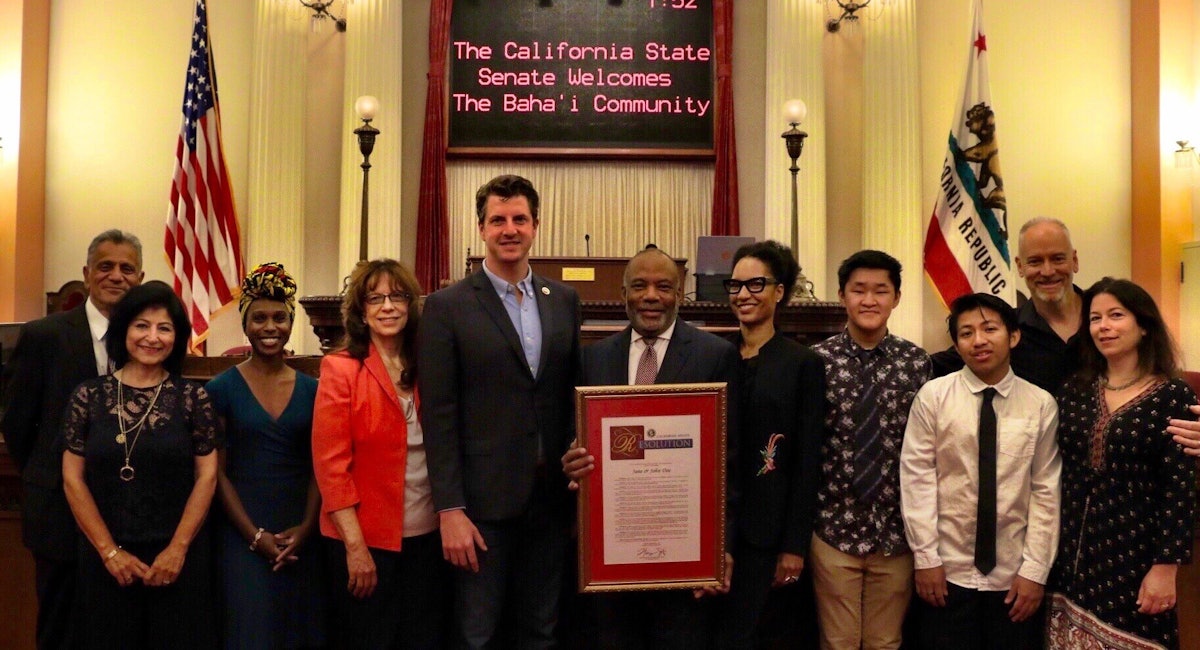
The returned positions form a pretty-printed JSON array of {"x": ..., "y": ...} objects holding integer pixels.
[
  {"x": 482, "y": 411},
  {"x": 788, "y": 398},
  {"x": 693, "y": 357},
  {"x": 53, "y": 356}
]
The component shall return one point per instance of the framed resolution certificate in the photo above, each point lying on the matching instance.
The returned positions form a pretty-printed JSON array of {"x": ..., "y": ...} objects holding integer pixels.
[{"x": 652, "y": 513}]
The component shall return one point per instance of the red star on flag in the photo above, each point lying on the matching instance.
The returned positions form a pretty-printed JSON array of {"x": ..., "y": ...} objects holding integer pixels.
[{"x": 981, "y": 43}]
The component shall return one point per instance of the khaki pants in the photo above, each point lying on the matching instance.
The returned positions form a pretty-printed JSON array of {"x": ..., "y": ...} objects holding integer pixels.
[{"x": 861, "y": 601}]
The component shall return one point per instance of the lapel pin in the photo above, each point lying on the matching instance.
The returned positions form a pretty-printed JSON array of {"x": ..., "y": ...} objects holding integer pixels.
[{"x": 545, "y": 291}]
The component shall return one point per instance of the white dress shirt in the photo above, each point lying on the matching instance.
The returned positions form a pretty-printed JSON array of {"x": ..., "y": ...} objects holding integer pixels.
[
  {"x": 637, "y": 345},
  {"x": 98, "y": 324},
  {"x": 939, "y": 479}
]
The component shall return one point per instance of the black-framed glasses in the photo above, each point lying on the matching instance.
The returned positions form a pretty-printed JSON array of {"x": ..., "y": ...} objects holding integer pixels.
[
  {"x": 397, "y": 298},
  {"x": 753, "y": 285}
]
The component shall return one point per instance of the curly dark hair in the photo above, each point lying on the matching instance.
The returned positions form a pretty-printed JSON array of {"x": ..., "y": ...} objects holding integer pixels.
[
  {"x": 150, "y": 295},
  {"x": 777, "y": 257},
  {"x": 1157, "y": 353},
  {"x": 357, "y": 340}
]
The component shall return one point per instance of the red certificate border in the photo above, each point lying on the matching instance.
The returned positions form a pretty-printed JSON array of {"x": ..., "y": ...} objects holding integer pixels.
[{"x": 593, "y": 403}]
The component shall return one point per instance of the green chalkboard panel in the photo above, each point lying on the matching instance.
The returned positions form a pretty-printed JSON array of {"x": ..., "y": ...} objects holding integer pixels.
[{"x": 607, "y": 78}]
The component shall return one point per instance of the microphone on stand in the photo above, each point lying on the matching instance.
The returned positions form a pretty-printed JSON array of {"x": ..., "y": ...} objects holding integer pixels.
[{"x": 587, "y": 241}]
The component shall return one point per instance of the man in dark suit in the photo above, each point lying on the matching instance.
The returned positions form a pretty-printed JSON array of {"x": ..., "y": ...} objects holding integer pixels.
[
  {"x": 658, "y": 348},
  {"x": 53, "y": 355},
  {"x": 499, "y": 355}
]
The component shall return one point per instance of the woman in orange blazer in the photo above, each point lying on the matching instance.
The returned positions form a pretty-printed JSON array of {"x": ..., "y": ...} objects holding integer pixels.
[{"x": 369, "y": 460}]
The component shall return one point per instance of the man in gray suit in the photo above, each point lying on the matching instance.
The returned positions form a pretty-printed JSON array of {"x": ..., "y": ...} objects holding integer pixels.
[
  {"x": 499, "y": 354},
  {"x": 54, "y": 355},
  {"x": 658, "y": 348}
]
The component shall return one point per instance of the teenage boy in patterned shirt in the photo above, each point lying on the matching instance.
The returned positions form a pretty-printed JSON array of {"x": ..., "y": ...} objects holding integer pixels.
[{"x": 862, "y": 566}]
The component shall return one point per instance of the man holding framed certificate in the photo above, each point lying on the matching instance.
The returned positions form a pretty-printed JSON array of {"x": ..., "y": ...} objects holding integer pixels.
[{"x": 657, "y": 348}]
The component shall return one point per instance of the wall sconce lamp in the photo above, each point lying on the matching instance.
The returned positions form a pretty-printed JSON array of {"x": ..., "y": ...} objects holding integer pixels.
[
  {"x": 1185, "y": 156},
  {"x": 366, "y": 107},
  {"x": 795, "y": 110},
  {"x": 321, "y": 14},
  {"x": 849, "y": 10}
]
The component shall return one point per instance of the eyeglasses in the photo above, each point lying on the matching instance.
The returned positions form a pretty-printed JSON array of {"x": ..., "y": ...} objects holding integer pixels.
[
  {"x": 397, "y": 298},
  {"x": 753, "y": 285}
]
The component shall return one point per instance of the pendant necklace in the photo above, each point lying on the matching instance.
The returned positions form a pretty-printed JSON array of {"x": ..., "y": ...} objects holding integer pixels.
[{"x": 126, "y": 473}]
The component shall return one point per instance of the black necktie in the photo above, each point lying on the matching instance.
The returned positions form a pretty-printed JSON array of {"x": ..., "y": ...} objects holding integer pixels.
[
  {"x": 868, "y": 440},
  {"x": 985, "y": 513}
]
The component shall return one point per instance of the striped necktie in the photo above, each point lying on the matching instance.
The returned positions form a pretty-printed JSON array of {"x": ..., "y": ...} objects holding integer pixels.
[{"x": 868, "y": 439}]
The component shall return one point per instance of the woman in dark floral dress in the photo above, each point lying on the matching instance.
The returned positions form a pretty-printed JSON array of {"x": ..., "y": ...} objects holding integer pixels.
[
  {"x": 1128, "y": 490},
  {"x": 139, "y": 474}
]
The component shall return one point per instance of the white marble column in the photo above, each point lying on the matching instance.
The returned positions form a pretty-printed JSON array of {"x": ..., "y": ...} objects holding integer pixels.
[
  {"x": 893, "y": 218},
  {"x": 274, "y": 211},
  {"x": 373, "y": 67},
  {"x": 795, "y": 70}
]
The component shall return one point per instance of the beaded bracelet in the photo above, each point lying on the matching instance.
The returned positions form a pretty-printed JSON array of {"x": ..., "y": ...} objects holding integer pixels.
[{"x": 257, "y": 536}]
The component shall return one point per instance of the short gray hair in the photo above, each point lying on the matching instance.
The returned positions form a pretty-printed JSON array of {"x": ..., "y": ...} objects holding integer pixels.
[
  {"x": 118, "y": 237},
  {"x": 1037, "y": 221}
]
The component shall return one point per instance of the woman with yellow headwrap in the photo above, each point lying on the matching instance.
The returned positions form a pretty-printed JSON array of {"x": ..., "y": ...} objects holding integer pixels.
[{"x": 271, "y": 578}]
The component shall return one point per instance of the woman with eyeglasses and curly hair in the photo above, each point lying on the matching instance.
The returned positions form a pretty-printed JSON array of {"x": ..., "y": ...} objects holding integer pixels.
[
  {"x": 781, "y": 418},
  {"x": 388, "y": 575}
]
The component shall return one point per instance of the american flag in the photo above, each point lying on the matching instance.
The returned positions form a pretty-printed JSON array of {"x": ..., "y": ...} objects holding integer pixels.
[{"x": 202, "y": 241}]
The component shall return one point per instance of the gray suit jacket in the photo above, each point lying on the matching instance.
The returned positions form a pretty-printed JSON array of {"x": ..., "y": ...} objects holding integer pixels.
[
  {"x": 482, "y": 411},
  {"x": 53, "y": 356}
]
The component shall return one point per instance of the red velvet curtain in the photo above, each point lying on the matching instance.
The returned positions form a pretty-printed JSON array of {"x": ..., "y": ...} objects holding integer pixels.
[
  {"x": 433, "y": 228},
  {"x": 725, "y": 185}
]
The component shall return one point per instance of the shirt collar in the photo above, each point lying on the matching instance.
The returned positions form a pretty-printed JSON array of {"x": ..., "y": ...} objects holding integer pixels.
[
  {"x": 525, "y": 285},
  {"x": 1028, "y": 316},
  {"x": 977, "y": 385},
  {"x": 851, "y": 347},
  {"x": 97, "y": 322},
  {"x": 665, "y": 336}
]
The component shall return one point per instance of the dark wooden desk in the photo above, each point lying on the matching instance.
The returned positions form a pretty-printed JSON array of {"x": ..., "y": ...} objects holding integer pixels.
[
  {"x": 202, "y": 369},
  {"x": 807, "y": 322},
  {"x": 595, "y": 278}
]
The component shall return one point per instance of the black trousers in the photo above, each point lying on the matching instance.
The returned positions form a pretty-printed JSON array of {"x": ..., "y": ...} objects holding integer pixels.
[
  {"x": 55, "y": 582},
  {"x": 177, "y": 616},
  {"x": 513, "y": 601},
  {"x": 975, "y": 620},
  {"x": 410, "y": 606},
  {"x": 653, "y": 620},
  {"x": 755, "y": 615}
]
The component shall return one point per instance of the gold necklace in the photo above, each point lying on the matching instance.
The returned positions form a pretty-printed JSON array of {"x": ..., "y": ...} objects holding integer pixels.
[
  {"x": 395, "y": 370},
  {"x": 126, "y": 472}
]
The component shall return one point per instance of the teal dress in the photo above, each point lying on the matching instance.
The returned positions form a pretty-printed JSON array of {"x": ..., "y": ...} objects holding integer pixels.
[{"x": 269, "y": 463}]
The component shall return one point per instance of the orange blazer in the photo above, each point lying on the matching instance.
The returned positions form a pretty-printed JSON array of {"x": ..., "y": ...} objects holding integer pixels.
[{"x": 360, "y": 447}]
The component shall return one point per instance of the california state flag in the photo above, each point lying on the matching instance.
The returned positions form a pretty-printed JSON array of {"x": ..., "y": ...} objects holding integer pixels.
[{"x": 966, "y": 245}]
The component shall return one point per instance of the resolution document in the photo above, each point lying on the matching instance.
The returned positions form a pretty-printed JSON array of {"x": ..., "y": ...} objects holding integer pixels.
[{"x": 651, "y": 489}]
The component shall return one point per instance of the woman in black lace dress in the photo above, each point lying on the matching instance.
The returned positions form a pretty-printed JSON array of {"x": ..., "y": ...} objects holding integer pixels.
[
  {"x": 139, "y": 474},
  {"x": 1128, "y": 490}
]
